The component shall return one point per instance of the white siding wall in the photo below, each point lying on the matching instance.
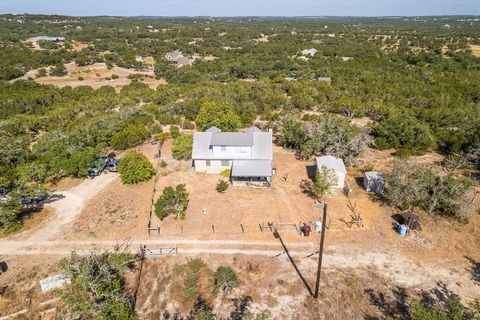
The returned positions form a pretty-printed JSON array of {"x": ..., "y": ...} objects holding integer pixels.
[
  {"x": 341, "y": 180},
  {"x": 214, "y": 168},
  {"x": 231, "y": 152}
]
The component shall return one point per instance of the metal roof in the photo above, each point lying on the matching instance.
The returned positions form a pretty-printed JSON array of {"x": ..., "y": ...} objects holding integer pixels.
[
  {"x": 260, "y": 142},
  {"x": 252, "y": 168},
  {"x": 331, "y": 162},
  {"x": 232, "y": 139}
]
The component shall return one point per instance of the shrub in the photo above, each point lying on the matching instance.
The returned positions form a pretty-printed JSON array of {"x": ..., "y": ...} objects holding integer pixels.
[
  {"x": 42, "y": 73},
  {"x": 80, "y": 78},
  {"x": 162, "y": 164},
  {"x": 134, "y": 167},
  {"x": 58, "y": 70},
  {"x": 114, "y": 77},
  {"x": 182, "y": 147},
  {"x": 174, "y": 131},
  {"x": 225, "y": 279},
  {"x": 172, "y": 201},
  {"x": 156, "y": 129},
  {"x": 226, "y": 173},
  {"x": 222, "y": 186},
  {"x": 161, "y": 137},
  {"x": 129, "y": 136},
  {"x": 188, "y": 124}
]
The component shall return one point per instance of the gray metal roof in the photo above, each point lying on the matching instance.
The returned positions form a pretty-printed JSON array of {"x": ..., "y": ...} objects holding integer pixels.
[
  {"x": 261, "y": 143},
  {"x": 373, "y": 175},
  {"x": 232, "y": 139},
  {"x": 252, "y": 168},
  {"x": 331, "y": 162},
  {"x": 213, "y": 129}
]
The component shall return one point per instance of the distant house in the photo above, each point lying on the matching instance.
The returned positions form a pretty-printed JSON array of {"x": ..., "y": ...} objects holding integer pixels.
[
  {"x": 293, "y": 77},
  {"x": 247, "y": 154},
  {"x": 183, "y": 61},
  {"x": 173, "y": 56},
  {"x": 45, "y": 38},
  {"x": 309, "y": 52},
  {"x": 347, "y": 58},
  {"x": 325, "y": 79},
  {"x": 337, "y": 166}
]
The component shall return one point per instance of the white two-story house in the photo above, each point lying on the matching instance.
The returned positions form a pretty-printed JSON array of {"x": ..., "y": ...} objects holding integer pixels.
[{"x": 247, "y": 154}]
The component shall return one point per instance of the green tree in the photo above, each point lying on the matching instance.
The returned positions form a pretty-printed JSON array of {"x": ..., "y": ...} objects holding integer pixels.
[
  {"x": 172, "y": 201},
  {"x": 225, "y": 279},
  {"x": 182, "y": 147},
  {"x": 221, "y": 116},
  {"x": 58, "y": 70},
  {"x": 325, "y": 179},
  {"x": 130, "y": 136},
  {"x": 134, "y": 167}
]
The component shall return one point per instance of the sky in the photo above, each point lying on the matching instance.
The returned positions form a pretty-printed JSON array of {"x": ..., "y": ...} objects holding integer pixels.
[{"x": 243, "y": 8}]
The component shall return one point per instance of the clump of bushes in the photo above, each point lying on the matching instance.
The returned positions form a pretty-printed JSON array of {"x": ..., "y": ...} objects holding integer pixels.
[
  {"x": 173, "y": 201},
  {"x": 182, "y": 147},
  {"x": 409, "y": 187},
  {"x": 134, "y": 167},
  {"x": 129, "y": 136},
  {"x": 222, "y": 186}
]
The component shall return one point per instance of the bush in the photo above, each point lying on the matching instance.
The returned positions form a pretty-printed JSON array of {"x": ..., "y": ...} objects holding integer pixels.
[
  {"x": 188, "y": 124},
  {"x": 130, "y": 136},
  {"x": 174, "y": 131},
  {"x": 162, "y": 164},
  {"x": 114, "y": 77},
  {"x": 225, "y": 279},
  {"x": 226, "y": 173},
  {"x": 182, "y": 147},
  {"x": 156, "y": 129},
  {"x": 58, "y": 70},
  {"x": 42, "y": 73},
  {"x": 80, "y": 78},
  {"x": 134, "y": 167},
  {"x": 172, "y": 201},
  {"x": 161, "y": 137},
  {"x": 222, "y": 186}
]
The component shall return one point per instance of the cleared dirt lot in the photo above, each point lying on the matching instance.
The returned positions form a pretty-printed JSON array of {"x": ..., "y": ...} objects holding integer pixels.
[{"x": 96, "y": 76}]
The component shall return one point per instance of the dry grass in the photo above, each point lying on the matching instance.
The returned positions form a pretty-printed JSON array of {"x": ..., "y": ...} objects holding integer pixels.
[{"x": 475, "y": 49}]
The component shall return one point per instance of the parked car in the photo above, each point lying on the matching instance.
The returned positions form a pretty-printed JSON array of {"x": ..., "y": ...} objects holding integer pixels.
[{"x": 112, "y": 166}]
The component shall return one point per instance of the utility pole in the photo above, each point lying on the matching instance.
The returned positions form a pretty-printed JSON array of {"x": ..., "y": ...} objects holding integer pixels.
[{"x": 320, "y": 251}]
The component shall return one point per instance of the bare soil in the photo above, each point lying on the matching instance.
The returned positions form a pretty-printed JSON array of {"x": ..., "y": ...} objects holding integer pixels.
[
  {"x": 475, "y": 49},
  {"x": 96, "y": 76}
]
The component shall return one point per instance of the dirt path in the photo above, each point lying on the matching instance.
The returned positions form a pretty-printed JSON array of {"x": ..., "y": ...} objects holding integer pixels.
[
  {"x": 401, "y": 270},
  {"x": 67, "y": 208}
]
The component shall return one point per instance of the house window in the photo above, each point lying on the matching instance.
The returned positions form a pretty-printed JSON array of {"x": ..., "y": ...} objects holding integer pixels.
[
  {"x": 225, "y": 163},
  {"x": 207, "y": 163},
  {"x": 223, "y": 148}
]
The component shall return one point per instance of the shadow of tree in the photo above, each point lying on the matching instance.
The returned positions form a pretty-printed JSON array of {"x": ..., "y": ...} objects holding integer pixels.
[
  {"x": 241, "y": 308},
  {"x": 392, "y": 305},
  {"x": 474, "y": 270}
]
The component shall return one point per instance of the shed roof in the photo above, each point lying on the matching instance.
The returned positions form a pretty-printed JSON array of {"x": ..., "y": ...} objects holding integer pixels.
[
  {"x": 331, "y": 162},
  {"x": 252, "y": 168}
]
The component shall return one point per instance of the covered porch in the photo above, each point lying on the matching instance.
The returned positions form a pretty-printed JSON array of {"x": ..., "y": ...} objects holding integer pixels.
[{"x": 252, "y": 173}]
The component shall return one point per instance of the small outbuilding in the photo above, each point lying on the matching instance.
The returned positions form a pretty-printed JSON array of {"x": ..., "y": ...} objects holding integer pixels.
[
  {"x": 374, "y": 182},
  {"x": 337, "y": 166}
]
